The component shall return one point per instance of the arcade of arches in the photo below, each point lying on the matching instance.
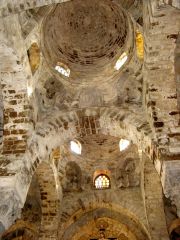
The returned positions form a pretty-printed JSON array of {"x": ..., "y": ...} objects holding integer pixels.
[{"x": 90, "y": 119}]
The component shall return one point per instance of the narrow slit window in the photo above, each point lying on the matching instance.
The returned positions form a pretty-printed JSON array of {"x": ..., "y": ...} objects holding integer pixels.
[
  {"x": 102, "y": 182},
  {"x": 140, "y": 45},
  {"x": 121, "y": 61}
]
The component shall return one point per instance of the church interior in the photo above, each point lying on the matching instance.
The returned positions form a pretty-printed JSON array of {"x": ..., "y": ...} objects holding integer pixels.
[{"x": 90, "y": 119}]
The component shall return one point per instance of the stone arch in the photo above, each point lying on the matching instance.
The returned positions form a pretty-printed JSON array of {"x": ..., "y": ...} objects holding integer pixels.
[
  {"x": 64, "y": 126},
  {"x": 50, "y": 197},
  {"x": 98, "y": 210},
  {"x": 30, "y": 18},
  {"x": 75, "y": 124},
  {"x": 152, "y": 198},
  {"x": 43, "y": 181},
  {"x": 102, "y": 199},
  {"x": 17, "y": 7}
]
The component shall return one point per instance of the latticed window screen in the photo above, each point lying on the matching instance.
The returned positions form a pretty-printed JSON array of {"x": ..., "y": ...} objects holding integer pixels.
[{"x": 102, "y": 181}]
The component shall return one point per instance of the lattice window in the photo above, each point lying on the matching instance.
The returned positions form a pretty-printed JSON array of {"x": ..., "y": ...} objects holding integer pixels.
[
  {"x": 102, "y": 181},
  {"x": 62, "y": 69}
]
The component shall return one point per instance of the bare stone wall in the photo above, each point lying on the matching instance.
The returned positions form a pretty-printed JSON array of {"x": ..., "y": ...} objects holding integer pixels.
[
  {"x": 14, "y": 88},
  {"x": 128, "y": 198},
  {"x": 54, "y": 129},
  {"x": 159, "y": 75},
  {"x": 98, "y": 206},
  {"x": 161, "y": 99},
  {"x": 14, "y": 78},
  {"x": 153, "y": 201},
  {"x": 50, "y": 201}
]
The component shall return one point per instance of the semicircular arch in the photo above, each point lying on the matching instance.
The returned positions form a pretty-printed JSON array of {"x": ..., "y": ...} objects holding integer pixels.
[
  {"x": 63, "y": 127},
  {"x": 98, "y": 210}
]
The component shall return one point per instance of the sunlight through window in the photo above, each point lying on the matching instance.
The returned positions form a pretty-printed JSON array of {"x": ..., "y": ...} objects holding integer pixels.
[
  {"x": 123, "y": 144},
  {"x": 121, "y": 61},
  {"x": 29, "y": 91},
  {"x": 75, "y": 147},
  {"x": 102, "y": 181},
  {"x": 63, "y": 69}
]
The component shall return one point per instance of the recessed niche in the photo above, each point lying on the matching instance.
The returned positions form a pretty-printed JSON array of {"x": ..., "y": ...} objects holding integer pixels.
[
  {"x": 139, "y": 45},
  {"x": 62, "y": 69},
  {"x": 34, "y": 57}
]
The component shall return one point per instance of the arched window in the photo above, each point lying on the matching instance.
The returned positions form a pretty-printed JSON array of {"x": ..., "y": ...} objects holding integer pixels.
[
  {"x": 62, "y": 69},
  {"x": 123, "y": 144},
  {"x": 75, "y": 147},
  {"x": 102, "y": 182},
  {"x": 121, "y": 61}
]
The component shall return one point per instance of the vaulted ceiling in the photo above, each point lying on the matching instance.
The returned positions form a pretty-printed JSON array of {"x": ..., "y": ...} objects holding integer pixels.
[{"x": 94, "y": 72}]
